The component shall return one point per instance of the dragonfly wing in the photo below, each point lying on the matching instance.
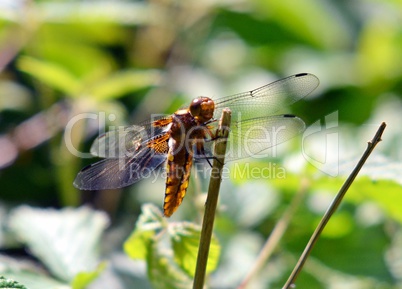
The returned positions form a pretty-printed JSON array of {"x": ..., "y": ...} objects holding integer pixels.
[
  {"x": 114, "y": 173},
  {"x": 254, "y": 136},
  {"x": 119, "y": 143},
  {"x": 267, "y": 99},
  {"x": 127, "y": 141}
]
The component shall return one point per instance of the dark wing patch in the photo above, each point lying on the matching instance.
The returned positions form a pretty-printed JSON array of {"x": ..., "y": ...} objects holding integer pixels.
[
  {"x": 128, "y": 141},
  {"x": 160, "y": 144},
  {"x": 119, "y": 172}
]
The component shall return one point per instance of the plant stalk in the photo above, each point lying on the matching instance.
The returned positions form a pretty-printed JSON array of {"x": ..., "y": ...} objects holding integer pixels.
[
  {"x": 290, "y": 283},
  {"x": 212, "y": 199}
]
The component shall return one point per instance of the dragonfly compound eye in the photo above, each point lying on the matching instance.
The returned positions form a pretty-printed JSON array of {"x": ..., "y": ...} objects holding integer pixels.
[
  {"x": 202, "y": 108},
  {"x": 195, "y": 106}
]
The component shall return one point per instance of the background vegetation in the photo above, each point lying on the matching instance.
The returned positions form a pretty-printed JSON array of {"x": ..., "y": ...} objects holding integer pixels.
[{"x": 124, "y": 60}]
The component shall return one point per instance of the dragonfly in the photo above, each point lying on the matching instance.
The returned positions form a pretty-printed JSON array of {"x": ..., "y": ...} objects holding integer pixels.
[{"x": 132, "y": 153}]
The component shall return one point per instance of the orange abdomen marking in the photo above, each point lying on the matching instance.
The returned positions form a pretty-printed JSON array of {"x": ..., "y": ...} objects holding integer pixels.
[{"x": 178, "y": 173}]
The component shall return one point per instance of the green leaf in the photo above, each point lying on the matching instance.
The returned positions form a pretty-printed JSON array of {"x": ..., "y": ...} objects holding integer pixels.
[
  {"x": 124, "y": 82},
  {"x": 10, "y": 284},
  {"x": 378, "y": 182},
  {"x": 301, "y": 17},
  {"x": 185, "y": 238},
  {"x": 82, "y": 279},
  {"x": 92, "y": 63},
  {"x": 28, "y": 273},
  {"x": 149, "y": 222},
  {"x": 340, "y": 225},
  {"x": 247, "y": 209},
  {"x": 66, "y": 241},
  {"x": 387, "y": 194},
  {"x": 143, "y": 244},
  {"x": 120, "y": 13},
  {"x": 360, "y": 253},
  {"x": 163, "y": 273},
  {"x": 50, "y": 73},
  {"x": 14, "y": 96},
  {"x": 136, "y": 245}
]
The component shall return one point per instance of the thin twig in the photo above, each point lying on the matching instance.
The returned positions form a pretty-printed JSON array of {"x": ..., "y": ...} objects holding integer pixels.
[
  {"x": 212, "y": 199},
  {"x": 275, "y": 236},
  {"x": 332, "y": 208}
]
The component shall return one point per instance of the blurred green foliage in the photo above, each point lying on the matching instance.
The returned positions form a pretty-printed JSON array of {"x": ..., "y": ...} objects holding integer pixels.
[{"x": 72, "y": 69}]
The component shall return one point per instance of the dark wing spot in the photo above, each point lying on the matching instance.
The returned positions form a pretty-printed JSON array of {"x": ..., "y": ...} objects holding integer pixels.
[{"x": 160, "y": 144}]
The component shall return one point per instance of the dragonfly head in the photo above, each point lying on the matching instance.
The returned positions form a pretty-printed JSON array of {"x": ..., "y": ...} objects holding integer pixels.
[{"x": 202, "y": 108}]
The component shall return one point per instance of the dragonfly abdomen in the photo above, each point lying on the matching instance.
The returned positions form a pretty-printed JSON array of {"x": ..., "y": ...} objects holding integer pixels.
[{"x": 178, "y": 170}]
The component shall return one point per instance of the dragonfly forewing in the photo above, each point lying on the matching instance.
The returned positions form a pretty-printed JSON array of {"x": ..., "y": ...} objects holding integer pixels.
[
  {"x": 123, "y": 142},
  {"x": 268, "y": 99},
  {"x": 128, "y": 141}
]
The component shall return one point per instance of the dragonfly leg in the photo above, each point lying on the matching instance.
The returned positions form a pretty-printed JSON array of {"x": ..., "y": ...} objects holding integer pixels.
[
  {"x": 201, "y": 152},
  {"x": 207, "y": 158},
  {"x": 211, "y": 158},
  {"x": 213, "y": 136},
  {"x": 210, "y": 121}
]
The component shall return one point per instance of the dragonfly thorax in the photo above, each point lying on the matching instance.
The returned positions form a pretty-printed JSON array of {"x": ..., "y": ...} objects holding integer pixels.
[{"x": 202, "y": 108}]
